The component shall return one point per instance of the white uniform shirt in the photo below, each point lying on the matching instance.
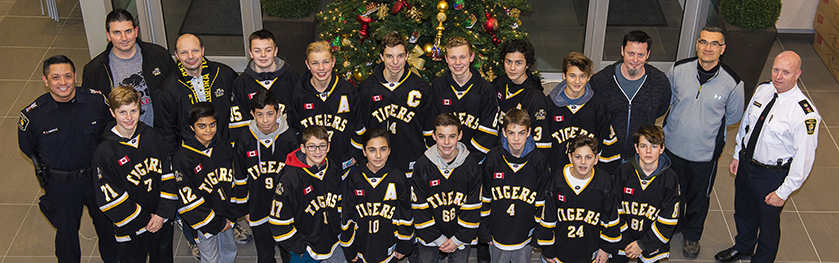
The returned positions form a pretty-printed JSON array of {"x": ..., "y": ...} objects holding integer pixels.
[{"x": 791, "y": 130}]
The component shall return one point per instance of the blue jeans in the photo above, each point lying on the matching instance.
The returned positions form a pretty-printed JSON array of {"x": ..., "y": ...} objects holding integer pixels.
[{"x": 218, "y": 248}]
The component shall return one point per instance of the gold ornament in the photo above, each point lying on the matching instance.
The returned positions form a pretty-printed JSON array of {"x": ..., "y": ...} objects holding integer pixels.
[
  {"x": 357, "y": 75},
  {"x": 428, "y": 48},
  {"x": 347, "y": 64},
  {"x": 415, "y": 14},
  {"x": 415, "y": 61},
  {"x": 441, "y": 17},
  {"x": 383, "y": 10},
  {"x": 346, "y": 42},
  {"x": 442, "y": 6}
]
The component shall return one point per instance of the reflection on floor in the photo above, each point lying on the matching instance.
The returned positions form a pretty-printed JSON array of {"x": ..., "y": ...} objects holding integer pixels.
[{"x": 809, "y": 219}]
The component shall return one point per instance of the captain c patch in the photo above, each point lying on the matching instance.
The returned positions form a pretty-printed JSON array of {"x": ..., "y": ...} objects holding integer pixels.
[
  {"x": 23, "y": 122},
  {"x": 811, "y": 126}
]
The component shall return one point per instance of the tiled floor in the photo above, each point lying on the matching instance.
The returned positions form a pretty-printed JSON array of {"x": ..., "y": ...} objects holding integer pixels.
[{"x": 810, "y": 219}]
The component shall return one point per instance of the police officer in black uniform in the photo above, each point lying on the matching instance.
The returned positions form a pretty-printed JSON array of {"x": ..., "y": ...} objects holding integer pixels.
[{"x": 59, "y": 132}]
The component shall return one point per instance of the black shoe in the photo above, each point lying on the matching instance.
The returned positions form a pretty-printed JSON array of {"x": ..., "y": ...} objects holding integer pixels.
[
  {"x": 690, "y": 249},
  {"x": 730, "y": 255}
]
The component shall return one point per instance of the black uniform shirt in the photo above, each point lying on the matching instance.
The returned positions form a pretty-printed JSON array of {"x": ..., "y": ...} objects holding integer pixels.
[{"x": 68, "y": 138}]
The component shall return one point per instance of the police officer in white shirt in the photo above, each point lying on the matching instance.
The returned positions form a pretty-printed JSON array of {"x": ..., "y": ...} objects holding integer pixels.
[{"x": 776, "y": 146}]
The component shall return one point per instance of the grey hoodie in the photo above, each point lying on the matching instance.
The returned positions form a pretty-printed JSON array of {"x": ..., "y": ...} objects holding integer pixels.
[
  {"x": 435, "y": 158},
  {"x": 282, "y": 126},
  {"x": 560, "y": 101}
]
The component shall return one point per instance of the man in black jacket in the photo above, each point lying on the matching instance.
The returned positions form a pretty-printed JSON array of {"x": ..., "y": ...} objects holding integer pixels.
[
  {"x": 128, "y": 61},
  {"x": 637, "y": 93}
]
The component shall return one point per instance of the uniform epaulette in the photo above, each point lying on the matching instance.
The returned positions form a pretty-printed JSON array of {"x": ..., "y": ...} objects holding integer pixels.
[
  {"x": 805, "y": 105},
  {"x": 31, "y": 106},
  {"x": 765, "y": 82}
]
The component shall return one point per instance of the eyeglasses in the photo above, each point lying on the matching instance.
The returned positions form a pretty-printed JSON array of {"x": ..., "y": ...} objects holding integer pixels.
[
  {"x": 321, "y": 147},
  {"x": 713, "y": 43}
]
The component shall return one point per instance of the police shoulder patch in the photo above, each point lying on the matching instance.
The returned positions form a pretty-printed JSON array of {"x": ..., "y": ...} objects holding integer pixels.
[
  {"x": 23, "y": 122},
  {"x": 805, "y": 105},
  {"x": 811, "y": 126}
]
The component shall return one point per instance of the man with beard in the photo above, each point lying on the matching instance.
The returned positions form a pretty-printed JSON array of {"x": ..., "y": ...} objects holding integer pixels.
[
  {"x": 637, "y": 92},
  {"x": 129, "y": 61}
]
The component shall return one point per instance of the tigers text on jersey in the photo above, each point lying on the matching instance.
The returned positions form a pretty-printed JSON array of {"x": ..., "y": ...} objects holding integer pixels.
[
  {"x": 579, "y": 222},
  {"x": 649, "y": 208},
  {"x": 205, "y": 177},
  {"x": 333, "y": 109},
  {"x": 474, "y": 104},
  {"x": 588, "y": 119},
  {"x": 377, "y": 220},
  {"x": 135, "y": 180},
  {"x": 305, "y": 213},
  {"x": 513, "y": 197},
  {"x": 280, "y": 82},
  {"x": 259, "y": 162},
  {"x": 447, "y": 199},
  {"x": 403, "y": 109},
  {"x": 528, "y": 96}
]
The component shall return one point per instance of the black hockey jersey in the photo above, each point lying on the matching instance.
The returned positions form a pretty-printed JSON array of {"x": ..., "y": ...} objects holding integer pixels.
[
  {"x": 280, "y": 82},
  {"x": 447, "y": 198},
  {"x": 474, "y": 104},
  {"x": 259, "y": 160},
  {"x": 513, "y": 197},
  {"x": 577, "y": 223},
  {"x": 205, "y": 177},
  {"x": 649, "y": 207},
  {"x": 177, "y": 96},
  {"x": 528, "y": 96},
  {"x": 333, "y": 109},
  {"x": 403, "y": 109},
  {"x": 588, "y": 118},
  {"x": 135, "y": 180},
  {"x": 377, "y": 220},
  {"x": 305, "y": 214}
]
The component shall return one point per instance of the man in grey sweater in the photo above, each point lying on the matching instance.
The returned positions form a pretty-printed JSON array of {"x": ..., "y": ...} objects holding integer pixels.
[{"x": 707, "y": 96}]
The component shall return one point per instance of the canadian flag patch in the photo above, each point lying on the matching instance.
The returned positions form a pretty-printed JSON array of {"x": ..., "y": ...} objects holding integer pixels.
[
  {"x": 434, "y": 182},
  {"x": 250, "y": 95},
  {"x": 558, "y": 118},
  {"x": 309, "y": 106},
  {"x": 359, "y": 192},
  {"x": 447, "y": 102},
  {"x": 499, "y": 175},
  {"x": 627, "y": 190},
  {"x": 198, "y": 168},
  {"x": 252, "y": 153},
  {"x": 560, "y": 198},
  {"x": 123, "y": 160},
  {"x": 377, "y": 98},
  {"x": 307, "y": 190}
]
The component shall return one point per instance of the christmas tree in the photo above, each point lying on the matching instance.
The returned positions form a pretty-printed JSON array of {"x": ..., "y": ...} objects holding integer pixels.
[{"x": 354, "y": 27}]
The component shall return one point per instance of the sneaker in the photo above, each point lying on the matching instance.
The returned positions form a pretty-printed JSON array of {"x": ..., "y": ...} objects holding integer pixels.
[
  {"x": 241, "y": 235},
  {"x": 193, "y": 249},
  {"x": 690, "y": 249}
]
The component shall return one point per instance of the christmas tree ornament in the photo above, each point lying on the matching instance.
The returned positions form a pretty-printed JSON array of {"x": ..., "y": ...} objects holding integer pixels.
[
  {"x": 414, "y": 37},
  {"x": 357, "y": 75},
  {"x": 459, "y": 5},
  {"x": 471, "y": 20},
  {"x": 347, "y": 64},
  {"x": 399, "y": 5},
  {"x": 369, "y": 9},
  {"x": 382, "y": 13},
  {"x": 436, "y": 53},
  {"x": 365, "y": 26},
  {"x": 428, "y": 48},
  {"x": 346, "y": 42},
  {"x": 414, "y": 14},
  {"x": 415, "y": 61},
  {"x": 336, "y": 44},
  {"x": 441, "y": 17},
  {"x": 491, "y": 26}
]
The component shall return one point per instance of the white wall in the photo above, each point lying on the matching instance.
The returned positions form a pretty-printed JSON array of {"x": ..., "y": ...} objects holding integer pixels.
[{"x": 797, "y": 16}]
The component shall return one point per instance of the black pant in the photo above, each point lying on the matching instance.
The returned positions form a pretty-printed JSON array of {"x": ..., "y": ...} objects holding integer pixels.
[
  {"x": 696, "y": 180},
  {"x": 265, "y": 244},
  {"x": 483, "y": 252},
  {"x": 158, "y": 246},
  {"x": 753, "y": 215},
  {"x": 68, "y": 200}
]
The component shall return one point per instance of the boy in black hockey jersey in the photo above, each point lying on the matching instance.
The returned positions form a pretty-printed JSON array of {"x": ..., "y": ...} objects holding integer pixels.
[
  {"x": 324, "y": 99},
  {"x": 649, "y": 194},
  {"x": 136, "y": 182},
  {"x": 257, "y": 157},
  {"x": 377, "y": 224},
  {"x": 203, "y": 168},
  {"x": 465, "y": 94},
  {"x": 574, "y": 110},
  {"x": 580, "y": 223},
  {"x": 519, "y": 88},
  {"x": 266, "y": 71},
  {"x": 305, "y": 214},
  {"x": 514, "y": 175},
  {"x": 446, "y": 201},
  {"x": 398, "y": 100}
]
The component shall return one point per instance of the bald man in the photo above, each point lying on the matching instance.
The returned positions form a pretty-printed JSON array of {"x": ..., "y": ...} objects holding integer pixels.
[{"x": 776, "y": 146}]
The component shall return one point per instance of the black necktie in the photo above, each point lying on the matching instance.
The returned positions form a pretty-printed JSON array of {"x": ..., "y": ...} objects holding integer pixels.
[{"x": 750, "y": 148}]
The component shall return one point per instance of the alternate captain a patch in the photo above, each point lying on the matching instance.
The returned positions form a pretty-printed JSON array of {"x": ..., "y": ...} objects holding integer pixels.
[
  {"x": 811, "y": 126},
  {"x": 805, "y": 105}
]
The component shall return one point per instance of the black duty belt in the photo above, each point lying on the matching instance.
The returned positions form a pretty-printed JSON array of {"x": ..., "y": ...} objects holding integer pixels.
[
  {"x": 777, "y": 168},
  {"x": 64, "y": 176}
]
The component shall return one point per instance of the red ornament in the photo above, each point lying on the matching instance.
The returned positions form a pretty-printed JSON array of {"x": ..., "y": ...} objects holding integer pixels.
[
  {"x": 399, "y": 5},
  {"x": 491, "y": 25},
  {"x": 364, "y": 32}
]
